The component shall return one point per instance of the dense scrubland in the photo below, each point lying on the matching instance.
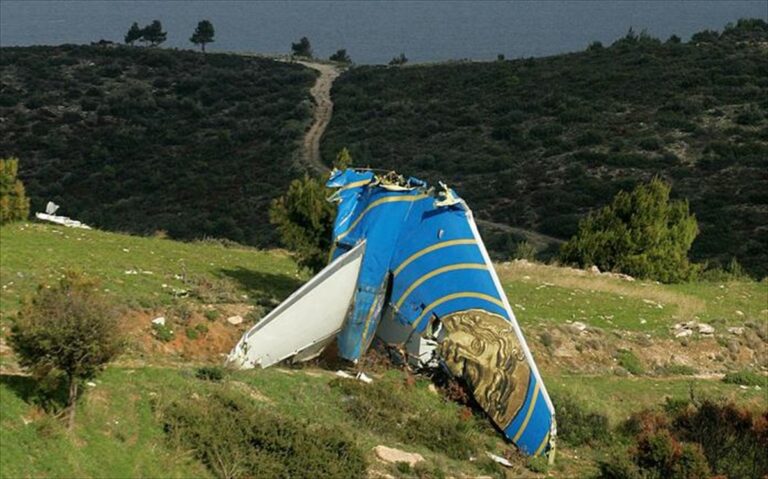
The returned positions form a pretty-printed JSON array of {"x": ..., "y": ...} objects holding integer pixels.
[
  {"x": 536, "y": 143},
  {"x": 143, "y": 140}
]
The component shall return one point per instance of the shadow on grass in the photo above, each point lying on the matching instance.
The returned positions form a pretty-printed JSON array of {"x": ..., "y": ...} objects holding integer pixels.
[
  {"x": 49, "y": 393},
  {"x": 263, "y": 286}
]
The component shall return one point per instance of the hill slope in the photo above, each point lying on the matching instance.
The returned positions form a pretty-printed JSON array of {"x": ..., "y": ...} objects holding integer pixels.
[
  {"x": 536, "y": 143},
  {"x": 139, "y": 140},
  {"x": 120, "y": 432}
]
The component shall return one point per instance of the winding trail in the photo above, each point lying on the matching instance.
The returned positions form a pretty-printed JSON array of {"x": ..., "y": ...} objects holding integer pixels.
[{"x": 321, "y": 92}]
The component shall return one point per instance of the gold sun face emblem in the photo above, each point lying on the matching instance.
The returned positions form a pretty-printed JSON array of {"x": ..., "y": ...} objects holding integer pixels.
[{"x": 483, "y": 350}]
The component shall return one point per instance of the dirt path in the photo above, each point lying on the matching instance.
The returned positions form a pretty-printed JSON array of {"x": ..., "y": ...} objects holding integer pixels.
[{"x": 321, "y": 92}]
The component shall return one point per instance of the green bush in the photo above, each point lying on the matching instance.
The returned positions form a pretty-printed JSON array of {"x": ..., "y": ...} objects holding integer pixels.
[
  {"x": 14, "y": 204},
  {"x": 162, "y": 332},
  {"x": 70, "y": 329},
  {"x": 641, "y": 233},
  {"x": 746, "y": 377},
  {"x": 235, "y": 438},
  {"x": 629, "y": 361},
  {"x": 304, "y": 219},
  {"x": 577, "y": 426},
  {"x": 210, "y": 373},
  {"x": 192, "y": 333}
]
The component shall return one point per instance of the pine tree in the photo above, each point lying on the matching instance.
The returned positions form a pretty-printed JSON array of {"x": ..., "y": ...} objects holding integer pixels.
[
  {"x": 304, "y": 219},
  {"x": 303, "y": 48},
  {"x": 134, "y": 33},
  {"x": 154, "y": 34},
  {"x": 343, "y": 159},
  {"x": 340, "y": 56},
  {"x": 203, "y": 34},
  {"x": 641, "y": 233},
  {"x": 14, "y": 204}
]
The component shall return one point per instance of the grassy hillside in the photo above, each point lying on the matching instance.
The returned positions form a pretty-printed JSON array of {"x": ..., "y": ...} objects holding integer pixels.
[
  {"x": 536, "y": 143},
  {"x": 625, "y": 359},
  {"x": 140, "y": 140}
]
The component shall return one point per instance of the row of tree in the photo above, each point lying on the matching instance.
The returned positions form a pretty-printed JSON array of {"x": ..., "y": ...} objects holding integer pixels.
[{"x": 153, "y": 34}]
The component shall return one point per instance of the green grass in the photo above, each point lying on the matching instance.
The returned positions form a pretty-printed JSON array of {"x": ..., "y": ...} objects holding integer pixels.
[
  {"x": 137, "y": 271},
  {"x": 618, "y": 397},
  {"x": 541, "y": 294},
  {"x": 116, "y": 434}
]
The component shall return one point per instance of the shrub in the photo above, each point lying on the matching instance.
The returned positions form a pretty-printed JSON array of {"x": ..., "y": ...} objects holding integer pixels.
[
  {"x": 162, "y": 332},
  {"x": 641, "y": 233},
  {"x": 577, "y": 426},
  {"x": 745, "y": 377},
  {"x": 734, "y": 440},
  {"x": 629, "y": 361},
  {"x": 192, "y": 333},
  {"x": 14, "y": 204},
  {"x": 304, "y": 219},
  {"x": 524, "y": 250},
  {"x": 210, "y": 373},
  {"x": 235, "y": 438},
  {"x": 68, "y": 328}
]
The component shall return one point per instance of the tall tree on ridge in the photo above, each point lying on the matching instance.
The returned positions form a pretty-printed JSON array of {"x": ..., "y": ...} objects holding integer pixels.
[{"x": 203, "y": 34}]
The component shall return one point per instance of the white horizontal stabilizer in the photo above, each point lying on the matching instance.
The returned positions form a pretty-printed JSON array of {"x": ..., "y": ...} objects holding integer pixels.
[{"x": 305, "y": 321}]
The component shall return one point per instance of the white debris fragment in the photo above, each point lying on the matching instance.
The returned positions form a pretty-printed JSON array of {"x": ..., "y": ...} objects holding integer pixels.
[
  {"x": 160, "y": 320},
  {"x": 737, "y": 330},
  {"x": 503, "y": 461},
  {"x": 91, "y": 384},
  {"x": 683, "y": 333},
  {"x": 364, "y": 378},
  {"x": 131, "y": 271},
  {"x": 235, "y": 320}
]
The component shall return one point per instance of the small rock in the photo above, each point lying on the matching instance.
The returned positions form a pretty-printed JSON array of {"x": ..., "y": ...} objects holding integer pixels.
[
  {"x": 594, "y": 269},
  {"x": 431, "y": 388},
  {"x": 579, "y": 326},
  {"x": 737, "y": 330},
  {"x": 235, "y": 320},
  {"x": 705, "y": 329},
  {"x": 739, "y": 313},
  {"x": 683, "y": 333},
  {"x": 160, "y": 320},
  {"x": 91, "y": 384},
  {"x": 392, "y": 455}
]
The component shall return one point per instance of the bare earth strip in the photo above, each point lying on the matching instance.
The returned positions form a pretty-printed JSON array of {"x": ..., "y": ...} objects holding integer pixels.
[{"x": 321, "y": 92}]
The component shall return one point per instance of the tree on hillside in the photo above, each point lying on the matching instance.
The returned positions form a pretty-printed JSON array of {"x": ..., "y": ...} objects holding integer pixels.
[
  {"x": 641, "y": 233},
  {"x": 154, "y": 34},
  {"x": 399, "y": 60},
  {"x": 14, "y": 204},
  {"x": 134, "y": 33},
  {"x": 303, "y": 48},
  {"x": 203, "y": 34},
  {"x": 304, "y": 220},
  {"x": 340, "y": 56},
  {"x": 343, "y": 159},
  {"x": 68, "y": 328}
]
